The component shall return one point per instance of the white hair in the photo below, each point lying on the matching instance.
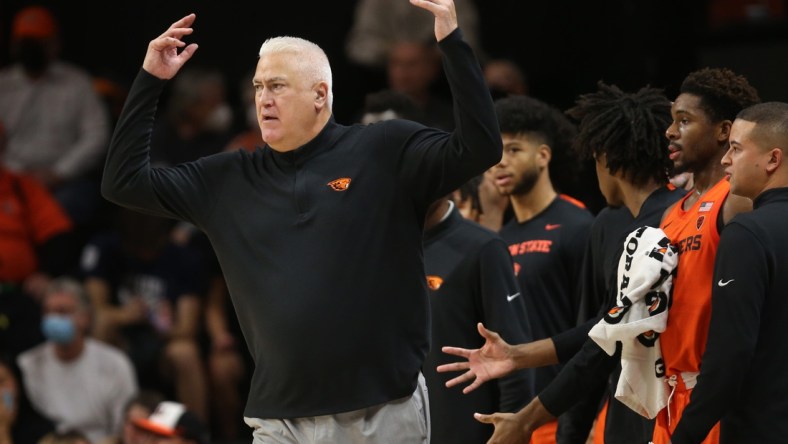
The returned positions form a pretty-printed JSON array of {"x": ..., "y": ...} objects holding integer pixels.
[{"x": 312, "y": 60}]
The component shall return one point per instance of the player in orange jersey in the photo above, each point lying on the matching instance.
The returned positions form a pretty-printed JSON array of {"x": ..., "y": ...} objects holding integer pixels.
[{"x": 702, "y": 117}]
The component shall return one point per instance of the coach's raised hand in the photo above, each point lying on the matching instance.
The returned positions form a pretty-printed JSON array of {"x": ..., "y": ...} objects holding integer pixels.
[
  {"x": 445, "y": 15},
  {"x": 165, "y": 56}
]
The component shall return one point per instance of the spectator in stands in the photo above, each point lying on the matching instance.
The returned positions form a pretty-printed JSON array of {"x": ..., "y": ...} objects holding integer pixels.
[
  {"x": 71, "y": 367},
  {"x": 198, "y": 120},
  {"x": 379, "y": 24},
  {"x": 148, "y": 295},
  {"x": 19, "y": 422},
  {"x": 57, "y": 124},
  {"x": 505, "y": 78},
  {"x": 140, "y": 407},
  {"x": 172, "y": 423},
  {"x": 413, "y": 69},
  {"x": 35, "y": 232}
]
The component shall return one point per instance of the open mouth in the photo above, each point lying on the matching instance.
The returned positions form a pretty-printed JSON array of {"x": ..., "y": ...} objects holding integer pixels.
[{"x": 675, "y": 152}]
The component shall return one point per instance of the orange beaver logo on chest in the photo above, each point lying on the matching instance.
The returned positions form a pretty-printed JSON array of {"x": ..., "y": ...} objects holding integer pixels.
[
  {"x": 434, "y": 282},
  {"x": 341, "y": 184}
]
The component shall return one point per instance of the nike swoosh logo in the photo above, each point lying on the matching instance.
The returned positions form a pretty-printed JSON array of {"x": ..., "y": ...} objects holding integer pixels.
[
  {"x": 511, "y": 297},
  {"x": 549, "y": 227},
  {"x": 722, "y": 284}
]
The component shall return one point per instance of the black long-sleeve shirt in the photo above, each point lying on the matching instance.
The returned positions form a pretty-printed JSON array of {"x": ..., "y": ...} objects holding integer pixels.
[
  {"x": 587, "y": 363},
  {"x": 320, "y": 246},
  {"x": 742, "y": 379},
  {"x": 598, "y": 276},
  {"x": 473, "y": 281}
]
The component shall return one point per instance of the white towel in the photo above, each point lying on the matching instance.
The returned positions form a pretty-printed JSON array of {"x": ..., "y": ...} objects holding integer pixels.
[{"x": 645, "y": 277}]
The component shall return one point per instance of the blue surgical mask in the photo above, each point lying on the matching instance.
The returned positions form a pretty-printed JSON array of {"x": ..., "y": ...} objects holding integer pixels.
[
  {"x": 8, "y": 400},
  {"x": 58, "y": 328}
]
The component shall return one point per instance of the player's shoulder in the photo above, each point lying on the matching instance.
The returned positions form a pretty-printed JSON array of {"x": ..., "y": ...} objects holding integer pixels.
[
  {"x": 735, "y": 205},
  {"x": 611, "y": 219},
  {"x": 666, "y": 215},
  {"x": 571, "y": 202},
  {"x": 609, "y": 214},
  {"x": 573, "y": 211}
]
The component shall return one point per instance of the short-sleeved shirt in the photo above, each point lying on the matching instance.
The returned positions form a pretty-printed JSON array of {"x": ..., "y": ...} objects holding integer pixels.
[{"x": 548, "y": 255}]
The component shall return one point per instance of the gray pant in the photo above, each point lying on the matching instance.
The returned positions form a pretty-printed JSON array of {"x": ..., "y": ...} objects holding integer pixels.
[{"x": 405, "y": 420}]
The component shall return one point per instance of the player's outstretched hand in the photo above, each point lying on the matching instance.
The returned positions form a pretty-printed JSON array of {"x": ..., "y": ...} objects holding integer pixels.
[{"x": 493, "y": 360}]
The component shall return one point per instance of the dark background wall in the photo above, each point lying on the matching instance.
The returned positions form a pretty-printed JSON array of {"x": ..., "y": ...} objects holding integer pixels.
[{"x": 565, "y": 46}]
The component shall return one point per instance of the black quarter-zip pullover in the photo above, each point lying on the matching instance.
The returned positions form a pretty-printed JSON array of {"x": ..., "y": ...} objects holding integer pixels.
[{"x": 320, "y": 246}]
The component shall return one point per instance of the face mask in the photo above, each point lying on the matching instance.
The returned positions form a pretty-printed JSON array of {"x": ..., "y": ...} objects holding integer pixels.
[
  {"x": 58, "y": 328},
  {"x": 8, "y": 400},
  {"x": 220, "y": 119},
  {"x": 32, "y": 55}
]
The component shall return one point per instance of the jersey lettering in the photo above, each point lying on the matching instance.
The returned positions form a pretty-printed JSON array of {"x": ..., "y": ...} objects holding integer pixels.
[
  {"x": 531, "y": 246},
  {"x": 691, "y": 243}
]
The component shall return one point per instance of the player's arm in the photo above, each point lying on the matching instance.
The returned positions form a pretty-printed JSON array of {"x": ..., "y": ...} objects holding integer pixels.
[{"x": 496, "y": 359}]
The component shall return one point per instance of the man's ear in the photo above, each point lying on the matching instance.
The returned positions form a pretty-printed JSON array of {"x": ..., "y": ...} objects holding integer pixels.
[
  {"x": 321, "y": 95},
  {"x": 774, "y": 160},
  {"x": 544, "y": 153},
  {"x": 724, "y": 131}
]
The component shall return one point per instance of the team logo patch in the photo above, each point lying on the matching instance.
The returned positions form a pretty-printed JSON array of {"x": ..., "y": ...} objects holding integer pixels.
[
  {"x": 657, "y": 302},
  {"x": 516, "y": 269},
  {"x": 616, "y": 313},
  {"x": 341, "y": 184},
  {"x": 649, "y": 338},
  {"x": 705, "y": 207},
  {"x": 434, "y": 282},
  {"x": 699, "y": 222}
]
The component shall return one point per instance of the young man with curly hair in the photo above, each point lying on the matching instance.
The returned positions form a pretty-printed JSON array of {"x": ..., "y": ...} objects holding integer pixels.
[{"x": 548, "y": 233}]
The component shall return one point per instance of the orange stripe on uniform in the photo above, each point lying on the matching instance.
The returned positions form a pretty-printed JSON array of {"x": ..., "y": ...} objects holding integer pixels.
[
  {"x": 599, "y": 425},
  {"x": 545, "y": 434},
  {"x": 572, "y": 200}
]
